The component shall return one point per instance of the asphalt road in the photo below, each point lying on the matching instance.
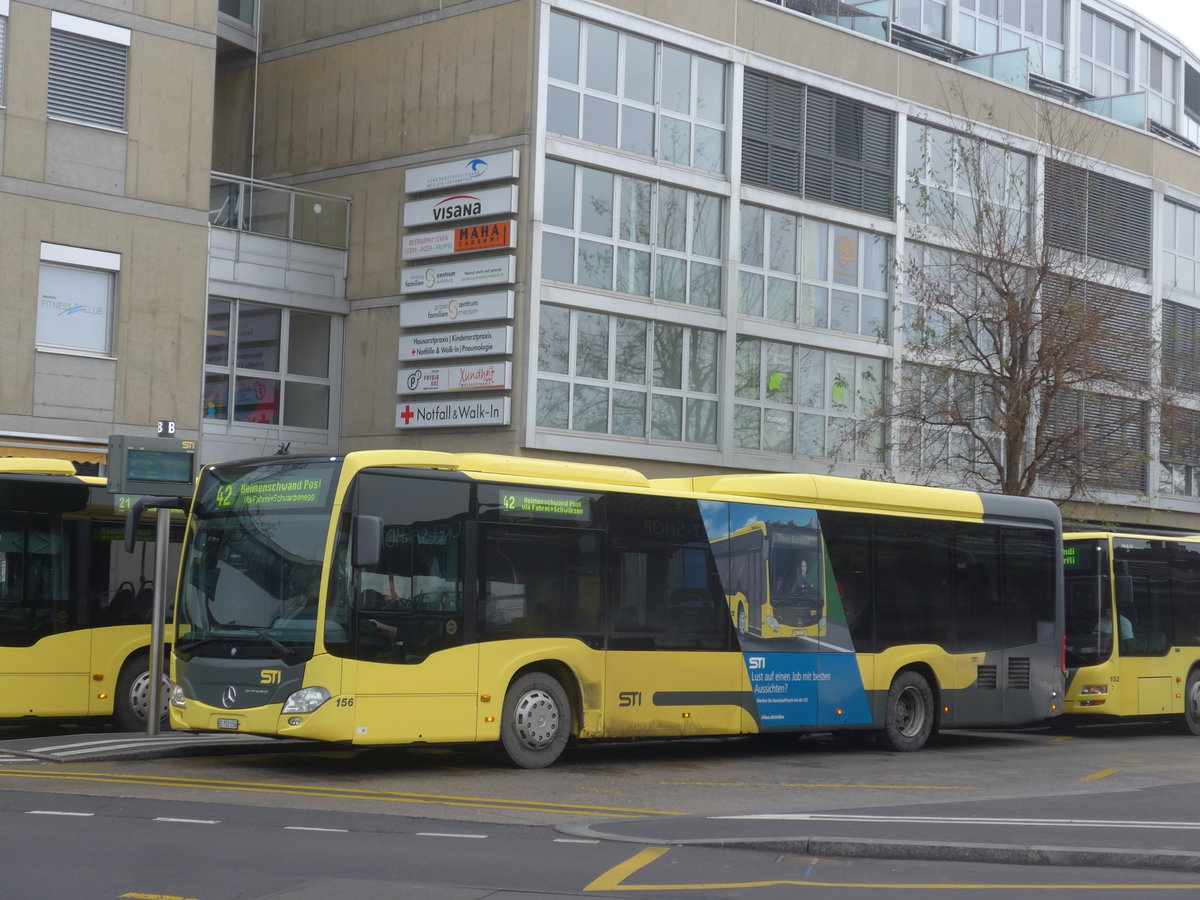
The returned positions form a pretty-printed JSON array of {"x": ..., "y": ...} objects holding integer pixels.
[{"x": 715, "y": 818}]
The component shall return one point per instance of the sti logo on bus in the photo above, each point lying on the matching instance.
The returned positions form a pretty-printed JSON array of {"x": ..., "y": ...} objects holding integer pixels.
[
  {"x": 629, "y": 698},
  {"x": 756, "y": 662},
  {"x": 270, "y": 676}
]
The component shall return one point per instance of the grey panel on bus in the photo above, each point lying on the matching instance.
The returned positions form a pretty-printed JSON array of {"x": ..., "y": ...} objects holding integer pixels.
[{"x": 1000, "y": 509}]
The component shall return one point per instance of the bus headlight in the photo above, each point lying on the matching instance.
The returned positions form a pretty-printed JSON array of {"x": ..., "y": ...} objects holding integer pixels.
[
  {"x": 772, "y": 623},
  {"x": 306, "y": 700},
  {"x": 1089, "y": 689},
  {"x": 178, "y": 699}
]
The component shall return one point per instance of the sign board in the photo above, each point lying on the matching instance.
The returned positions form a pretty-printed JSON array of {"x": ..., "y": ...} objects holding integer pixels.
[
  {"x": 469, "y": 342},
  {"x": 463, "y": 308},
  {"x": 157, "y": 466},
  {"x": 464, "y": 239},
  {"x": 476, "y": 170},
  {"x": 457, "y": 274},
  {"x": 461, "y": 206},
  {"x": 492, "y": 376},
  {"x": 453, "y": 413}
]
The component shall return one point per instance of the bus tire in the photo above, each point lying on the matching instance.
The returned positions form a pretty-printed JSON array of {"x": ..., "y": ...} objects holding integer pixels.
[
  {"x": 908, "y": 719},
  {"x": 742, "y": 625},
  {"x": 536, "y": 721},
  {"x": 1189, "y": 722},
  {"x": 133, "y": 693}
]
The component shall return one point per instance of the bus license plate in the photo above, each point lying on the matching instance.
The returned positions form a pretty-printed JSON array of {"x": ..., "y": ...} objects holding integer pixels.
[{"x": 228, "y": 724}]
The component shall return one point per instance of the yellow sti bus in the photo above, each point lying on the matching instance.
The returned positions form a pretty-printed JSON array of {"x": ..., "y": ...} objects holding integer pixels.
[
  {"x": 75, "y": 608},
  {"x": 777, "y": 573},
  {"x": 402, "y": 597},
  {"x": 1133, "y": 626}
]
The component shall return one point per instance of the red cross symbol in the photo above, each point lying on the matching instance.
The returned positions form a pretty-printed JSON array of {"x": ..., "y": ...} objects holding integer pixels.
[{"x": 407, "y": 414}]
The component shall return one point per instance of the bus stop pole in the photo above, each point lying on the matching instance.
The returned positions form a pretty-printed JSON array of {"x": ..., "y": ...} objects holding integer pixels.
[{"x": 154, "y": 697}]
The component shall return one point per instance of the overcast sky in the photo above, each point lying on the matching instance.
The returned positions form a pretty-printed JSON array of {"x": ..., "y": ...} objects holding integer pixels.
[{"x": 1179, "y": 17}]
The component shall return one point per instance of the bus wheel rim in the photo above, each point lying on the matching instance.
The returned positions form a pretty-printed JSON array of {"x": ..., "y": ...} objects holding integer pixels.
[
  {"x": 139, "y": 695},
  {"x": 536, "y": 719},
  {"x": 910, "y": 712},
  {"x": 1193, "y": 700}
]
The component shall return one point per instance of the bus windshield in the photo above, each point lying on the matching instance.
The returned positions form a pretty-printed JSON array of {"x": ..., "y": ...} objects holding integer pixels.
[
  {"x": 1089, "y": 637},
  {"x": 252, "y": 565}
]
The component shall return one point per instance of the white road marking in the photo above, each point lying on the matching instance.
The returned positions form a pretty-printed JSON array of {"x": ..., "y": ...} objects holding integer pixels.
[
  {"x": 314, "y": 828},
  {"x": 477, "y": 837},
  {"x": 188, "y": 821},
  {"x": 57, "y": 812}
]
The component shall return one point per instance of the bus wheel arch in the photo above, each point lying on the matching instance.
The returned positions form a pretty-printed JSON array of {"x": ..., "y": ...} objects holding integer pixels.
[
  {"x": 538, "y": 717},
  {"x": 133, "y": 693},
  {"x": 1189, "y": 722},
  {"x": 910, "y": 710}
]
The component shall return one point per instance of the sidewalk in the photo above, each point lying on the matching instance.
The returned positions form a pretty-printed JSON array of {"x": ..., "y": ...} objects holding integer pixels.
[{"x": 930, "y": 833}]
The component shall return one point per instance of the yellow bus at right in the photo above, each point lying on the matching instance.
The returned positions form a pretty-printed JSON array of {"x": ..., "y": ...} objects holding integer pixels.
[{"x": 1132, "y": 643}]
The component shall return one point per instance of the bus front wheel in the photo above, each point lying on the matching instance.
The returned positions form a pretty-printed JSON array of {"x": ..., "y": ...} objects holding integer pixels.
[
  {"x": 1190, "y": 723},
  {"x": 133, "y": 694},
  {"x": 908, "y": 720},
  {"x": 536, "y": 721}
]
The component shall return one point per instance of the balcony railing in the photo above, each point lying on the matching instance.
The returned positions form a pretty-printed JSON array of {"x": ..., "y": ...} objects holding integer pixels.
[{"x": 259, "y": 207}]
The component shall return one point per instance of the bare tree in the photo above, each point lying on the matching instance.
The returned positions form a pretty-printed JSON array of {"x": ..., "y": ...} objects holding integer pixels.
[{"x": 1027, "y": 357}]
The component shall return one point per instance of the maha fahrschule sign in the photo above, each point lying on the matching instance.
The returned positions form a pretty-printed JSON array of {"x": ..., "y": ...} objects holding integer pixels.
[
  {"x": 464, "y": 239},
  {"x": 473, "y": 170},
  {"x": 453, "y": 413}
]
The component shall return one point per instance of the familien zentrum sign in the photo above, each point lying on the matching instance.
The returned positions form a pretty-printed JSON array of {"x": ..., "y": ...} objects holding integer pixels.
[
  {"x": 462, "y": 308},
  {"x": 464, "y": 239},
  {"x": 474, "y": 170},
  {"x": 458, "y": 274},
  {"x": 461, "y": 206}
]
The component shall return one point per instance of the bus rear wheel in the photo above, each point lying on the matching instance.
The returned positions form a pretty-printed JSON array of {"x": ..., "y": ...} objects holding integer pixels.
[
  {"x": 908, "y": 720},
  {"x": 536, "y": 721},
  {"x": 133, "y": 694},
  {"x": 1190, "y": 722}
]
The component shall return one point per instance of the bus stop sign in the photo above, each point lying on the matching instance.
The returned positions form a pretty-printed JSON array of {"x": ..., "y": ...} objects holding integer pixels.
[{"x": 162, "y": 466}]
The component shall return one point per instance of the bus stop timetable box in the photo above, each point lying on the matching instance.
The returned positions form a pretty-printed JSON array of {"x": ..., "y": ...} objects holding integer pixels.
[{"x": 164, "y": 467}]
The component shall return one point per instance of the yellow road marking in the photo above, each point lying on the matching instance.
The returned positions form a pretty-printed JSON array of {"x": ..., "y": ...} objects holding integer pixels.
[
  {"x": 135, "y": 896},
  {"x": 812, "y": 784},
  {"x": 614, "y": 880},
  {"x": 1060, "y": 739},
  {"x": 252, "y": 787},
  {"x": 1096, "y": 776}
]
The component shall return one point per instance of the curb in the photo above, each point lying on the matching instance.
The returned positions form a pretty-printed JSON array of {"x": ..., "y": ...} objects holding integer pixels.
[{"x": 1175, "y": 860}]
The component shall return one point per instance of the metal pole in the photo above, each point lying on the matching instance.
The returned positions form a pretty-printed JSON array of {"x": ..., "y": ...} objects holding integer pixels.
[{"x": 162, "y": 539}]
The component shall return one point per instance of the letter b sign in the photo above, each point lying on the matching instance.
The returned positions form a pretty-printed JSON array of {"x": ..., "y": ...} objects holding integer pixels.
[{"x": 166, "y": 428}]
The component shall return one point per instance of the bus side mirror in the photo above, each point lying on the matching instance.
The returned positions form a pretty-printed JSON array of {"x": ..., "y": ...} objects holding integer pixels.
[{"x": 368, "y": 542}]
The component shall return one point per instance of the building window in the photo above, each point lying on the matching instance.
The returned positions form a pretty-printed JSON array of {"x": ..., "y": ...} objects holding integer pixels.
[
  {"x": 1179, "y": 452},
  {"x": 1104, "y": 56},
  {"x": 75, "y": 299},
  {"x": 88, "y": 71},
  {"x": 1181, "y": 248},
  {"x": 925, "y": 16},
  {"x": 266, "y": 365},
  {"x": 812, "y": 273},
  {"x": 616, "y": 232},
  {"x": 807, "y": 402},
  {"x": 992, "y": 26},
  {"x": 1157, "y": 77},
  {"x": 1098, "y": 216},
  {"x": 959, "y": 183},
  {"x": 1181, "y": 347},
  {"x": 626, "y": 377},
  {"x": 818, "y": 145},
  {"x": 642, "y": 96}
]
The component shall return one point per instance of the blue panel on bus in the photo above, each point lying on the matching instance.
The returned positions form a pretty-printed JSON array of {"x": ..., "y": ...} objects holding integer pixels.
[{"x": 798, "y": 690}]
